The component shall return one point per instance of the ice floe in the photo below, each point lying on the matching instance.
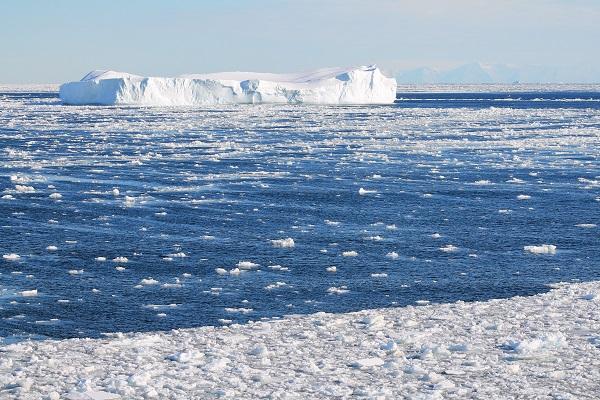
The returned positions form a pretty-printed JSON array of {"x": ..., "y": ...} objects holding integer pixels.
[
  {"x": 283, "y": 243},
  {"x": 541, "y": 249}
]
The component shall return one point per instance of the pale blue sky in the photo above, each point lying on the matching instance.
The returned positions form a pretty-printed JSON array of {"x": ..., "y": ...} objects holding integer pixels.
[{"x": 61, "y": 40}]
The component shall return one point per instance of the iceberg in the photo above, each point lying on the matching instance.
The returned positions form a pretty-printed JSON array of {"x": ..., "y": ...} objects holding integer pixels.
[{"x": 359, "y": 85}]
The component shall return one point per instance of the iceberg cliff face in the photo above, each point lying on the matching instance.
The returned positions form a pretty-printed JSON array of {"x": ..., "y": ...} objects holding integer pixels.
[{"x": 361, "y": 85}]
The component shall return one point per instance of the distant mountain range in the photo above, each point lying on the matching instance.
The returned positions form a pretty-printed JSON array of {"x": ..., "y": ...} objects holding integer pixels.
[{"x": 499, "y": 73}]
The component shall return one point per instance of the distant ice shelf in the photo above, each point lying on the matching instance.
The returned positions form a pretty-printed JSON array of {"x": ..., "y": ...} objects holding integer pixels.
[{"x": 359, "y": 85}]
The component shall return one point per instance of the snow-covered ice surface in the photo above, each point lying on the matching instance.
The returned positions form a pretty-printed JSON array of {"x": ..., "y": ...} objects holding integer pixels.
[
  {"x": 190, "y": 216},
  {"x": 357, "y": 85},
  {"x": 545, "y": 346}
]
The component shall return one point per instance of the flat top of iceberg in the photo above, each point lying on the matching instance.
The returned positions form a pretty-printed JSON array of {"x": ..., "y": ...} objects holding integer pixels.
[{"x": 297, "y": 77}]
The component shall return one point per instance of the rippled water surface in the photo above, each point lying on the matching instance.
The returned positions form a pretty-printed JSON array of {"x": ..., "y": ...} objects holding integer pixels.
[{"x": 151, "y": 210}]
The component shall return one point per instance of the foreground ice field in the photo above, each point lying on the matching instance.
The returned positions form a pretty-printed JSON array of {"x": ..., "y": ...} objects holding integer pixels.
[{"x": 544, "y": 347}]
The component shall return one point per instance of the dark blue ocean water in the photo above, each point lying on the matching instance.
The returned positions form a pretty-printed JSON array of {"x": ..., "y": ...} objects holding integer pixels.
[{"x": 217, "y": 184}]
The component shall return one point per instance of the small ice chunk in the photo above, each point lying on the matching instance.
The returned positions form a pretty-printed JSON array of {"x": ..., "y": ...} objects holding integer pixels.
[
  {"x": 55, "y": 196},
  {"x": 523, "y": 197},
  {"x": 587, "y": 226},
  {"x": 239, "y": 310},
  {"x": 187, "y": 357},
  {"x": 364, "y": 192},
  {"x": 101, "y": 259},
  {"x": 368, "y": 362},
  {"x": 24, "y": 189},
  {"x": 75, "y": 271},
  {"x": 120, "y": 259},
  {"x": 275, "y": 285},
  {"x": 51, "y": 248},
  {"x": 149, "y": 281},
  {"x": 221, "y": 271},
  {"x": 29, "y": 293},
  {"x": 379, "y": 275},
  {"x": 331, "y": 269},
  {"x": 449, "y": 248},
  {"x": 542, "y": 344},
  {"x": 337, "y": 290},
  {"x": 11, "y": 257},
  {"x": 392, "y": 255},
  {"x": 283, "y": 243},
  {"x": 246, "y": 265},
  {"x": 350, "y": 253},
  {"x": 541, "y": 249}
]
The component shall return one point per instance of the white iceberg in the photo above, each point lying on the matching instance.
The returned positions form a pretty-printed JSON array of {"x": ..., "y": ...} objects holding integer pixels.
[{"x": 360, "y": 85}]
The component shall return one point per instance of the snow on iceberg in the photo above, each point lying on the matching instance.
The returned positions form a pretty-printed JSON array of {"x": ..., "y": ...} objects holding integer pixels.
[{"x": 360, "y": 85}]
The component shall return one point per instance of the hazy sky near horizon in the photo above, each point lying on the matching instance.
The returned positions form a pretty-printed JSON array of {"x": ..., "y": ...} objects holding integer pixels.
[{"x": 61, "y": 40}]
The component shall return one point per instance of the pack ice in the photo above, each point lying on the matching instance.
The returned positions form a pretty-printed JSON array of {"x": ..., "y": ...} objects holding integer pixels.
[{"x": 359, "y": 85}]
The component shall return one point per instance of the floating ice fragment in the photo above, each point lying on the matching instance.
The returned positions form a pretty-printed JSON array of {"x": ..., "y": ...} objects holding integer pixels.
[
  {"x": 283, "y": 243},
  {"x": 29, "y": 293},
  {"x": 379, "y": 275},
  {"x": 392, "y": 255},
  {"x": 246, "y": 265},
  {"x": 149, "y": 281},
  {"x": 100, "y": 259},
  {"x": 187, "y": 357},
  {"x": 278, "y": 268},
  {"x": 240, "y": 310},
  {"x": 275, "y": 285},
  {"x": 364, "y": 192},
  {"x": 51, "y": 248},
  {"x": 535, "y": 346},
  {"x": 75, "y": 271},
  {"x": 24, "y": 189},
  {"x": 523, "y": 197},
  {"x": 541, "y": 249},
  {"x": 331, "y": 269},
  {"x": 368, "y": 362},
  {"x": 338, "y": 290},
  {"x": 120, "y": 259},
  {"x": 449, "y": 248},
  {"x": 11, "y": 257},
  {"x": 350, "y": 253},
  {"x": 587, "y": 226}
]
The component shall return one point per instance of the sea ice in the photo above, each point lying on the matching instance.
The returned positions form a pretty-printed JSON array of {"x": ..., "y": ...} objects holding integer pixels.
[
  {"x": 283, "y": 243},
  {"x": 541, "y": 249}
]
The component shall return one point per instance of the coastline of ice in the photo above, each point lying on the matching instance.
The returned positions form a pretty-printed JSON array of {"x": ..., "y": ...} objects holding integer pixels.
[
  {"x": 359, "y": 85},
  {"x": 494, "y": 349}
]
